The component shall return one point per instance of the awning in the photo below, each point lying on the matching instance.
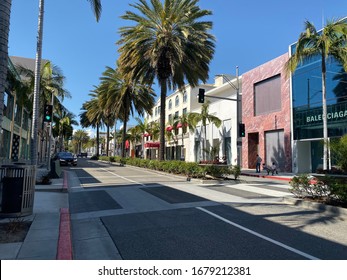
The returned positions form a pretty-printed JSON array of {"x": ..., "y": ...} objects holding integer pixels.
[
  {"x": 146, "y": 135},
  {"x": 169, "y": 128},
  {"x": 179, "y": 125},
  {"x": 127, "y": 144},
  {"x": 152, "y": 145}
]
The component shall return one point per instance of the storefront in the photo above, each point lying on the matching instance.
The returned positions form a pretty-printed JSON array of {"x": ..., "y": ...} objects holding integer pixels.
[{"x": 307, "y": 111}]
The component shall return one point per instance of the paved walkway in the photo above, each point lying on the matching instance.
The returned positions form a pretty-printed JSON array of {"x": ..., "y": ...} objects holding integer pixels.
[{"x": 41, "y": 241}]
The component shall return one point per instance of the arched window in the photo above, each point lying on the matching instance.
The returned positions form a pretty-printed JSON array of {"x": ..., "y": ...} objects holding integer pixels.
[
  {"x": 170, "y": 104},
  {"x": 177, "y": 101}
]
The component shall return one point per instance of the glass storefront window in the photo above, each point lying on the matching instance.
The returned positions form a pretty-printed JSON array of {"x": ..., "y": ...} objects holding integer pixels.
[{"x": 307, "y": 99}]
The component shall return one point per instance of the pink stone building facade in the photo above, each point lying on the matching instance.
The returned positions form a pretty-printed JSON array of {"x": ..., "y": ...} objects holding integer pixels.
[{"x": 266, "y": 113}]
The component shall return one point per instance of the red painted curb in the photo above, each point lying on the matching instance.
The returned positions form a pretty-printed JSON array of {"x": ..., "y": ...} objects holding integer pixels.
[
  {"x": 278, "y": 178},
  {"x": 267, "y": 176},
  {"x": 64, "y": 251}
]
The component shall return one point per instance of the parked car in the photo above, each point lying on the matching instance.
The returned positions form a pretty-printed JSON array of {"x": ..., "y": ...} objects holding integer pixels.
[{"x": 65, "y": 158}]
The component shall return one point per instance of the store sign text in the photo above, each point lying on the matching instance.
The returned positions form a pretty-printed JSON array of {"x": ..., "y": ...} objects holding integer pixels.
[{"x": 333, "y": 115}]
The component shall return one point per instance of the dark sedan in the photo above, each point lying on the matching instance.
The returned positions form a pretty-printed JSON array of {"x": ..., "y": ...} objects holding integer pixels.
[{"x": 66, "y": 158}]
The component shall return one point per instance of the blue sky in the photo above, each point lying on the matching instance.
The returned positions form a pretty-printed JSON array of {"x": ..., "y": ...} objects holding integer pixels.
[{"x": 248, "y": 34}]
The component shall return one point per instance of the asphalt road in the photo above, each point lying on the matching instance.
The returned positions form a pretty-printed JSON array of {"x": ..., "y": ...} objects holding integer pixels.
[{"x": 132, "y": 213}]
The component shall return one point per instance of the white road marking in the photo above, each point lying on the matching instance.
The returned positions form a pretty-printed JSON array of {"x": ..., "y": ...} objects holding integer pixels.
[
  {"x": 262, "y": 190},
  {"x": 310, "y": 257},
  {"x": 124, "y": 178}
]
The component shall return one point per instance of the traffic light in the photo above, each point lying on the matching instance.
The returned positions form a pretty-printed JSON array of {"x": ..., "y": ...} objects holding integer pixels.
[
  {"x": 47, "y": 114},
  {"x": 201, "y": 96},
  {"x": 242, "y": 130}
]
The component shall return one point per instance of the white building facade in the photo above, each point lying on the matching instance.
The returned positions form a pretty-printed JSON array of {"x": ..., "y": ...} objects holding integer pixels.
[{"x": 189, "y": 145}]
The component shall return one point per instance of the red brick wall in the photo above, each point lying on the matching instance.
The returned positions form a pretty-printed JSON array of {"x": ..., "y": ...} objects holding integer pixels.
[{"x": 272, "y": 121}]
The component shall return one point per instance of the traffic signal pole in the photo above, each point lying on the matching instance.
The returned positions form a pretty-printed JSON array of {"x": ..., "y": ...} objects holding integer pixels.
[{"x": 238, "y": 123}]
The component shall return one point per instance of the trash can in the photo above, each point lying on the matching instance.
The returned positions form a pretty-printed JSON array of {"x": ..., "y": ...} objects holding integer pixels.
[{"x": 18, "y": 189}]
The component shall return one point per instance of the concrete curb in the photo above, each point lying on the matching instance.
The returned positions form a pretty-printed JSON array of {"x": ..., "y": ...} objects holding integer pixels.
[
  {"x": 64, "y": 251},
  {"x": 333, "y": 210}
]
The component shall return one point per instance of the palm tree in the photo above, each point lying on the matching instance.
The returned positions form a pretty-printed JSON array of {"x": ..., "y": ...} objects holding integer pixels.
[
  {"x": 125, "y": 96},
  {"x": 51, "y": 83},
  {"x": 204, "y": 117},
  {"x": 168, "y": 42},
  {"x": 93, "y": 116},
  {"x": 5, "y": 11},
  {"x": 330, "y": 42},
  {"x": 186, "y": 121},
  {"x": 134, "y": 136},
  {"x": 142, "y": 128},
  {"x": 62, "y": 127},
  {"x": 81, "y": 138}
]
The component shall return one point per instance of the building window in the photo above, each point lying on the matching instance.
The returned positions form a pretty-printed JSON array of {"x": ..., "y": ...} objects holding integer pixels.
[
  {"x": 267, "y": 96},
  {"x": 184, "y": 111},
  {"x": 176, "y": 114},
  {"x": 184, "y": 97},
  {"x": 156, "y": 111},
  {"x": 177, "y": 101},
  {"x": 170, "y": 104},
  {"x": 170, "y": 118}
]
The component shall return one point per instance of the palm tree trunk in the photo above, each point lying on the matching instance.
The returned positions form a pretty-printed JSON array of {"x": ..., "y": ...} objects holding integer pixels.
[
  {"x": 162, "y": 120},
  {"x": 5, "y": 10},
  {"x": 124, "y": 136},
  {"x": 205, "y": 142},
  {"x": 114, "y": 138},
  {"x": 324, "y": 116},
  {"x": 97, "y": 140},
  {"x": 34, "y": 130},
  {"x": 107, "y": 139}
]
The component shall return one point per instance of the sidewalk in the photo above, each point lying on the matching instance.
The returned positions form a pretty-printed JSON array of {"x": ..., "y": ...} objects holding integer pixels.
[{"x": 41, "y": 242}]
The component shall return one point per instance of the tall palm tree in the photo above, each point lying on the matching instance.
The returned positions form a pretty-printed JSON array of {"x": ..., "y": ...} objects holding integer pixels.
[
  {"x": 93, "y": 116},
  {"x": 81, "y": 138},
  {"x": 62, "y": 127},
  {"x": 125, "y": 97},
  {"x": 186, "y": 121},
  {"x": 168, "y": 42},
  {"x": 51, "y": 83},
  {"x": 331, "y": 41},
  {"x": 142, "y": 128},
  {"x": 5, "y": 11},
  {"x": 205, "y": 117},
  {"x": 134, "y": 136}
]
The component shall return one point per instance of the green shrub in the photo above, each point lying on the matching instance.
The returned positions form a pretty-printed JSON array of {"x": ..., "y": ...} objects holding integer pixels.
[
  {"x": 300, "y": 185},
  {"x": 236, "y": 171},
  {"x": 217, "y": 171},
  {"x": 339, "y": 151},
  {"x": 104, "y": 158},
  {"x": 94, "y": 157},
  {"x": 338, "y": 190}
]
